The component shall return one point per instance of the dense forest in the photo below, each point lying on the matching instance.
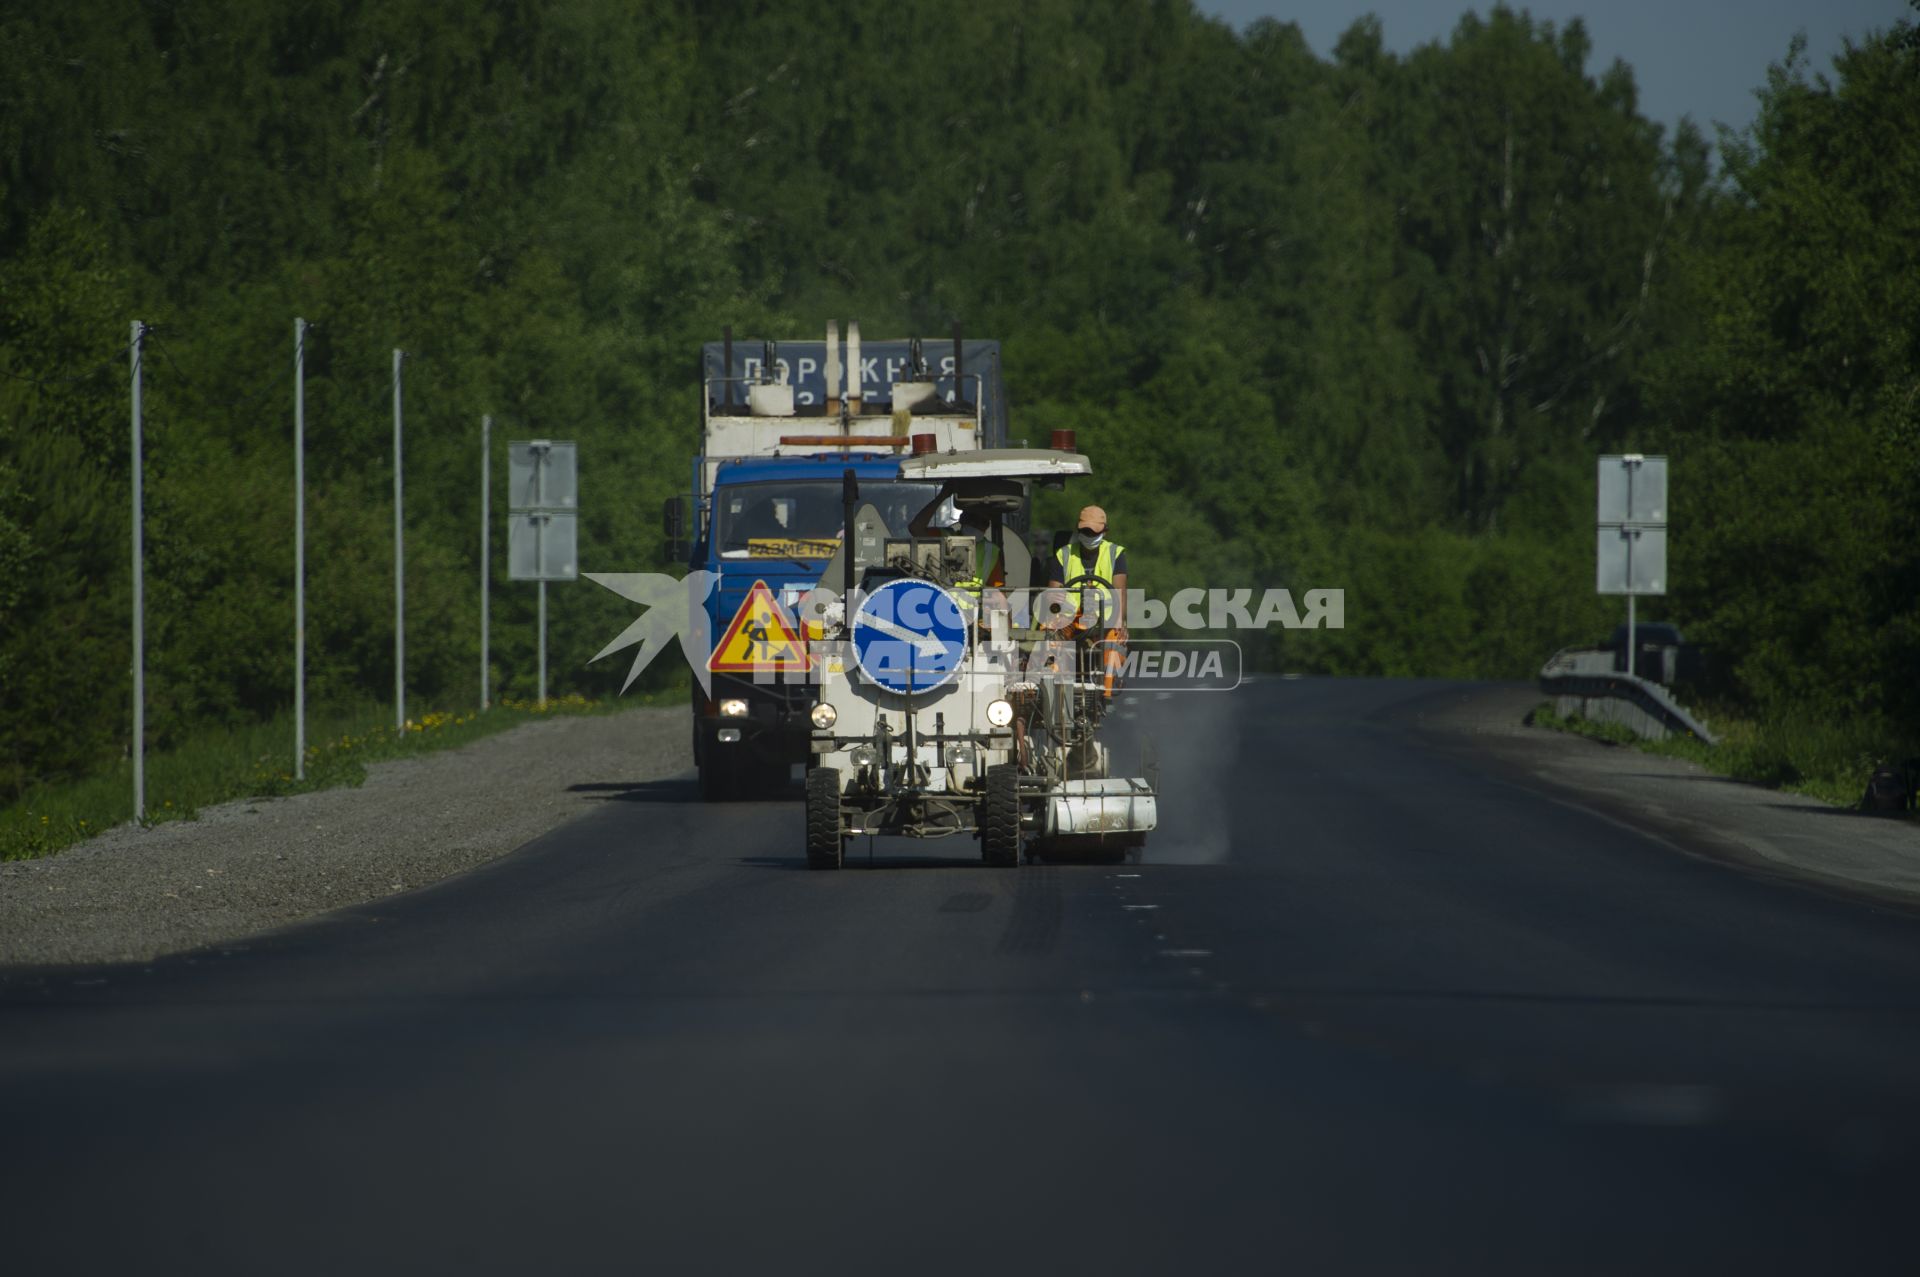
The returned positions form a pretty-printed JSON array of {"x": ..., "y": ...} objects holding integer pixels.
[{"x": 1362, "y": 321}]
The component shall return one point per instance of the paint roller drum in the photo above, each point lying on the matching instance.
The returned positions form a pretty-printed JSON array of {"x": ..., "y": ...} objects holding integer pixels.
[{"x": 1109, "y": 808}]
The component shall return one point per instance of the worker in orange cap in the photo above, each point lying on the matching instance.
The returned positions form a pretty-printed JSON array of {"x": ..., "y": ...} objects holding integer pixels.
[{"x": 1097, "y": 565}]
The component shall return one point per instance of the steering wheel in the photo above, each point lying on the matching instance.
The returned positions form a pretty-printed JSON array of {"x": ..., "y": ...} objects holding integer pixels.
[
  {"x": 1087, "y": 576},
  {"x": 1084, "y": 579}
]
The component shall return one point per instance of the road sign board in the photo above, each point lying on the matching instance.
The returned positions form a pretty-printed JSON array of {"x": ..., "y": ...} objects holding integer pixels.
[
  {"x": 761, "y": 638},
  {"x": 543, "y": 474},
  {"x": 1632, "y": 536},
  {"x": 542, "y": 547},
  {"x": 910, "y": 636},
  {"x": 1632, "y": 560},
  {"x": 1633, "y": 489}
]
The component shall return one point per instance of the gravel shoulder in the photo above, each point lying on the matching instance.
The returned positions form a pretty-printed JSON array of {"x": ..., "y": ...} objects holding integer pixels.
[
  {"x": 1764, "y": 830},
  {"x": 249, "y": 866}
]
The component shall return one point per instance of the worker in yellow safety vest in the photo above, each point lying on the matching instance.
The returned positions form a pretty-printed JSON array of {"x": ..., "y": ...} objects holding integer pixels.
[
  {"x": 1096, "y": 566},
  {"x": 989, "y": 570}
]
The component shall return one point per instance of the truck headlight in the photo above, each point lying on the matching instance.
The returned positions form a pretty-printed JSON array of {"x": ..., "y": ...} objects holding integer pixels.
[
  {"x": 863, "y": 756},
  {"x": 824, "y": 716},
  {"x": 1000, "y": 713},
  {"x": 733, "y": 709}
]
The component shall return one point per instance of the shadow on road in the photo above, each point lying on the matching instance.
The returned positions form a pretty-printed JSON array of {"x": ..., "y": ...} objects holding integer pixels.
[
  {"x": 681, "y": 789},
  {"x": 1700, "y": 779},
  {"x": 1855, "y": 812},
  {"x": 858, "y": 860}
]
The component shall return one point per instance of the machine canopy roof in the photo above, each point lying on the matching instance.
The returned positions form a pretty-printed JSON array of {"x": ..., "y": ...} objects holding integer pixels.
[{"x": 996, "y": 463}]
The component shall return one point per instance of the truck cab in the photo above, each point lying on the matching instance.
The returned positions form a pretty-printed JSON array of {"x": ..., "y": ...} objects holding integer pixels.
[{"x": 774, "y": 523}]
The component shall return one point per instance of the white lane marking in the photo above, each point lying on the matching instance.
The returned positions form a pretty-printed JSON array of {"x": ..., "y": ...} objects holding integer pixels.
[
  {"x": 1139, "y": 906},
  {"x": 1186, "y": 953}
]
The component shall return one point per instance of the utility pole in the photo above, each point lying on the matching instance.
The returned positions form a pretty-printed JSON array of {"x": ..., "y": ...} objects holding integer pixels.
[
  {"x": 399, "y": 561},
  {"x": 486, "y": 584},
  {"x": 299, "y": 549},
  {"x": 139, "y": 597}
]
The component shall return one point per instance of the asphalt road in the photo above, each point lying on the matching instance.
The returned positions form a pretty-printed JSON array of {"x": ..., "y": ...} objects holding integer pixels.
[{"x": 1366, "y": 1006}]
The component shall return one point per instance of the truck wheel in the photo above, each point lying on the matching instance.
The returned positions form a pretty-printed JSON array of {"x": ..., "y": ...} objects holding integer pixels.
[
  {"x": 825, "y": 846},
  {"x": 1000, "y": 816}
]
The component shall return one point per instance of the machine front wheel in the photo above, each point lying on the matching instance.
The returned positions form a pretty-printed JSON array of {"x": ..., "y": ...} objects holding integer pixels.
[
  {"x": 825, "y": 846},
  {"x": 1000, "y": 816}
]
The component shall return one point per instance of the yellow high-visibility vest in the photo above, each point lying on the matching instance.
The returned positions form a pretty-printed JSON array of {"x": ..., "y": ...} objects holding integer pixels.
[
  {"x": 1096, "y": 602},
  {"x": 985, "y": 556}
]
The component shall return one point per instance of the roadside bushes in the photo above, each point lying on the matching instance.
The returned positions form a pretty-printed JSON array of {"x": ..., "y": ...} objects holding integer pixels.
[{"x": 1446, "y": 605}]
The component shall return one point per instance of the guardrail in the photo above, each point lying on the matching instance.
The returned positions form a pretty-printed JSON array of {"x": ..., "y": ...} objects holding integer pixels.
[{"x": 1583, "y": 681}]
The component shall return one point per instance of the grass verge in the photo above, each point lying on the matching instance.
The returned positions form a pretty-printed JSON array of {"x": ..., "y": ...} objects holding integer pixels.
[
  {"x": 1801, "y": 754},
  {"x": 1608, "y": 733},
  {"x": 257, "y": 762}
]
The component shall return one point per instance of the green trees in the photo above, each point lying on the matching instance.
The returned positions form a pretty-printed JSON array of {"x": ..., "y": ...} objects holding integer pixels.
[
  {"x": 1360, "y": 322},
  {"x": 1796, "y": 405},
  {"x": 64, "y": 515},
  {"x": 1531, "y": 221}
]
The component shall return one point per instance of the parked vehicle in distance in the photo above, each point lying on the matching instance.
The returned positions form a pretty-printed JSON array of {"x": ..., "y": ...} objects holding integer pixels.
[{"x": 1661, "y": 653}]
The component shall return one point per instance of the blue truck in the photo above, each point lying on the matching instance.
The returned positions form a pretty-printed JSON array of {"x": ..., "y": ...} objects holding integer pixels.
[{"x": 781, "y": 426}]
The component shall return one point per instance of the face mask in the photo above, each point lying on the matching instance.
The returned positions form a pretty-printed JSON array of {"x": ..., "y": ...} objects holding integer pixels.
[{"x": 1088, "y": 541}]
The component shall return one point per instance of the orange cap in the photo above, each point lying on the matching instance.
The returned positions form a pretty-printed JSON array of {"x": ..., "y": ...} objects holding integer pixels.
[{"x": 1093, "y": 517}]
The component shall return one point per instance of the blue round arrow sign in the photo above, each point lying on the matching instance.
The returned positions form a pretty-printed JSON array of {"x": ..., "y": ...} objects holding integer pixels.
[{"x": 910, "y": 636}]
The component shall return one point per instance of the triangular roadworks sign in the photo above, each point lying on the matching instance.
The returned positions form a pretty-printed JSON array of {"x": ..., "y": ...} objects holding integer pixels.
[{"x": 761, "y": 637}]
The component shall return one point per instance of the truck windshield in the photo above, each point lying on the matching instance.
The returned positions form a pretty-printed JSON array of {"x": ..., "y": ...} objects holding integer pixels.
[{"x": 801, "y": 520}]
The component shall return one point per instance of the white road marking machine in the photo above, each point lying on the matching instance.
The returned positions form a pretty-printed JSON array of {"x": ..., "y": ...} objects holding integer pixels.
[{"x": 952, "y": 703}]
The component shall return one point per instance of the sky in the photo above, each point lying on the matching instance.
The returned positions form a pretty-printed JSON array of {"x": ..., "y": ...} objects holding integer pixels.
[{"x": 1703, "y": 58}]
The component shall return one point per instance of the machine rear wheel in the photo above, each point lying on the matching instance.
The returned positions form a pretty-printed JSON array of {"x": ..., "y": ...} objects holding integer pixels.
[
  {"x": 825, "y": 846},
  {"x": 1000, "y": 816}
]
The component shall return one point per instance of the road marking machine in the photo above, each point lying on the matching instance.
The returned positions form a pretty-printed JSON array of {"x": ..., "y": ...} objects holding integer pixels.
[{"x": 956, "y": 697}]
